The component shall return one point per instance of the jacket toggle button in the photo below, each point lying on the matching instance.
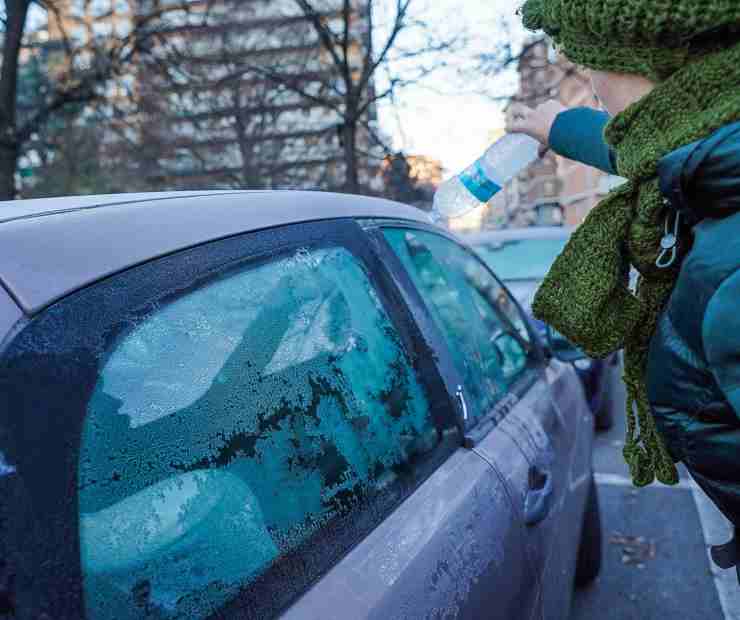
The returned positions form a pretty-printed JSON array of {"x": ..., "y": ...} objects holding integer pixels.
[{"x": 668, "y": 241}]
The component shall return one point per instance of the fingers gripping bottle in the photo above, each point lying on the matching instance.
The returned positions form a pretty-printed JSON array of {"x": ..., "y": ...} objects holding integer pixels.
[{"x": 478, "y": 183}]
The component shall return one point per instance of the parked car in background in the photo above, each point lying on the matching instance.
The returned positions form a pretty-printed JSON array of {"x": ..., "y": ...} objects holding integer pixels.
[
  {"x": 278, "y": 404},
  {"x": 521, "y": 257}
]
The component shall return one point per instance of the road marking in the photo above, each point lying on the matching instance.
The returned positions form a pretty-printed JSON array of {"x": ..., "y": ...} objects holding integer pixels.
[
  {"x": 717, "y": 530},
  {"x": 623, "y": 481}
]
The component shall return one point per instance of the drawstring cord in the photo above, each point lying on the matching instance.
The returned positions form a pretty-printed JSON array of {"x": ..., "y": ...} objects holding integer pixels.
[{"x": 669, "y": 243}]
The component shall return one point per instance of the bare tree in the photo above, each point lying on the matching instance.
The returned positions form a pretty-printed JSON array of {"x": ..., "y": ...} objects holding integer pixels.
[
  {"x": 287, "y": 92},
  {"x": 213, "y": 119},
  {"x": 68, "y": 161},
  {"x": 347, "y": 68},
  {"x": 544, "y": 74},
  {"x": 404, "y": 184},
  {"x": 241, "y": 85},
  {"x": 77, "y": 54}
]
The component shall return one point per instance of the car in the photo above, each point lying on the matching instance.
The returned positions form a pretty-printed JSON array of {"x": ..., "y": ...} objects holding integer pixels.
[
  {"x": 521, "y": 257},
  {"x": 282, "y": 404}
]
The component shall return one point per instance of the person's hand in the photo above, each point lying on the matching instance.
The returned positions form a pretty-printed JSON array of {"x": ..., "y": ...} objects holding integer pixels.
[{"x": 535, "y": 122}]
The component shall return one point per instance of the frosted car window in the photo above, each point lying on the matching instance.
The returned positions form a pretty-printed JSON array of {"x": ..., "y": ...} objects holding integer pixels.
[
  {"x": 484, "y": 331},
  {"x": 149, "y": 372},
  {"x": 233, "y": 424}
]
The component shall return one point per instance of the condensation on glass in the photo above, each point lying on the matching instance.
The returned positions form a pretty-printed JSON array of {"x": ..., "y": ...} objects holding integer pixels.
[{"x": 292, "y": 401}]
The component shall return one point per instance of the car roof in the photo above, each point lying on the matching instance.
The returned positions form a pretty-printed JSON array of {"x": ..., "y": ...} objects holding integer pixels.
[
  {"x": 510, "y": 234},
  {"x": 54, "y": 246},
  {"x": 37, "y": 207}
]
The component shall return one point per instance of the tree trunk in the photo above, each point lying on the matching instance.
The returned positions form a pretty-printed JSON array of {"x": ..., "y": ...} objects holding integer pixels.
[
  {"x": 250, "y": 170},
  {"x": 8, "y": 162},
  {"x": 352, "y": 174},
  {"x": 16, "y": 11}
]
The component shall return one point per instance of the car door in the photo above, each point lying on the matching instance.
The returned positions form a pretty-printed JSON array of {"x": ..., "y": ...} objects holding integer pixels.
[
  {"x": 552, "y": 425},
  {"x": 452, "y": 549},
  {"x": 246, "y": 428},
  {"x": 570, "y": 403},
  {"x": 558, "y": 420},
  {"x": 514, "y": 421}
]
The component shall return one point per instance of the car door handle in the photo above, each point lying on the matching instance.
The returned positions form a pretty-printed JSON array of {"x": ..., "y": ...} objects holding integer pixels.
[{"x": 537, "y": 502}]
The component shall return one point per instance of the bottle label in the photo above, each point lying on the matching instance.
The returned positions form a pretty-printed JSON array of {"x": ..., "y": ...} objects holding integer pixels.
[{"x": 477, "y": 183}]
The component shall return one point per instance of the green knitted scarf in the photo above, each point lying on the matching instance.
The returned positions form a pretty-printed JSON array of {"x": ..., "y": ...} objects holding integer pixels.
[{"x": 586, "y": 295}]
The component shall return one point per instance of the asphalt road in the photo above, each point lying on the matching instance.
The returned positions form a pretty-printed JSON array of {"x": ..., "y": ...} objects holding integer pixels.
[{"x": 655, "y": 546}]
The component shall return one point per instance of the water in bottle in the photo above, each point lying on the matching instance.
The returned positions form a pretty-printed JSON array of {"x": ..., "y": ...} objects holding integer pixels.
[{"x": 477, "y": 184}]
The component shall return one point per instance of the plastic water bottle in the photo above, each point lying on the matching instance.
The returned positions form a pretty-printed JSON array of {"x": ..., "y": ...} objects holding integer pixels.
[{"x": 477, "y": 184}]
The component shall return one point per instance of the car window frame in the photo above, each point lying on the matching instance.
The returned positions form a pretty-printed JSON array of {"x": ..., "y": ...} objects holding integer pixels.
[
  {"x": 536, "y": 359},
  {"x": 178, "y": 273}
]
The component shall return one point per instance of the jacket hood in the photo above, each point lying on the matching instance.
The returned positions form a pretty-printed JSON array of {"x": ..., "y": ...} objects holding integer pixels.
[{"x": 702, "y": 179}]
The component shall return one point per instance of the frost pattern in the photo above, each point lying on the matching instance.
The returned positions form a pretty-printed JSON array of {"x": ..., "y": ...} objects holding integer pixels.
[
  {"x": 473, "y": 311},
  {"x": 231, "y": 425}
]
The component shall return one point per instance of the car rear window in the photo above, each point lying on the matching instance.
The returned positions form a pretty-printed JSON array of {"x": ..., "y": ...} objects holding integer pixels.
[{"x": 230, "y": 427}]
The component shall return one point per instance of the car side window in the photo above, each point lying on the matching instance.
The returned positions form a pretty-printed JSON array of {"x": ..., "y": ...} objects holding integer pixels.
[
  {"x": 485, "y": 332},
  {"x": 232, "y": 426}
]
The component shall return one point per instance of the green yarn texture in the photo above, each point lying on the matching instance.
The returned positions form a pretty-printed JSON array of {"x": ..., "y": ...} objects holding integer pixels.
[
  {"x": 586, "y": 295},
  {"x": 654, "y": 38}
]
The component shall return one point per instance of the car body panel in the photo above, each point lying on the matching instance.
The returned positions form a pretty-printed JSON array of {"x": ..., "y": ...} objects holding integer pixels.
[
  {"x": 36, "y": 207},
  {"x": 457, "y": 546},
  {"x": 43, "y": 258},
  {"x": 596, "y": 379},
  {"x": 547, "y": 430},
  {"x": 437, "y": 555},
  {"x": 10, "y": 313},
  {"x": 569, "y": 400}
]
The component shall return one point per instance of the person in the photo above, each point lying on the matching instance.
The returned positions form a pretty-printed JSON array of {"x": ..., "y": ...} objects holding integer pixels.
[{"x": 668, "y": 78}]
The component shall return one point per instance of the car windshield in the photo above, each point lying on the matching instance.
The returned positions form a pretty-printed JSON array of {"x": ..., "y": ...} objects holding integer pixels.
[
  {"x": 521, "y": 263},
  {"x": 523, "y": 291},
  {"x": 521, "y": 259}
]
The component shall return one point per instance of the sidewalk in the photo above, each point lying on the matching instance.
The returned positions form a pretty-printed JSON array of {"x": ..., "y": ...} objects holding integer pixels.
[{"x": 656, "y": 563}]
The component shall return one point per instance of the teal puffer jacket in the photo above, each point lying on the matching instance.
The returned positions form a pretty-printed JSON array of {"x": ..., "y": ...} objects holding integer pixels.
[{"x": 694, "y": 361}]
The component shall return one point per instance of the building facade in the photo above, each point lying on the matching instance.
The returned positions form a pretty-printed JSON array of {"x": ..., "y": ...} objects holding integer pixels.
[
  {"x": 553, "y": 184},
  {"x": 233, "y": 93}
]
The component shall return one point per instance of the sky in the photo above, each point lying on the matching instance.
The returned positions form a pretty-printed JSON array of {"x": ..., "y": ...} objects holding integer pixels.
[{"x": 438, "y": 118}]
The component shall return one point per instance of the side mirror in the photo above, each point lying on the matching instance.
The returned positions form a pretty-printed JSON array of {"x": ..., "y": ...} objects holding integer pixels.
[{"x": 561, "y": 348}]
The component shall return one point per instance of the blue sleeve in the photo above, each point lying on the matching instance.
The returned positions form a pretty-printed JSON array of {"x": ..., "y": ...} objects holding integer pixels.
[
  {"x": 721, "y": 338},
  {"x": 578, "y": 134}
]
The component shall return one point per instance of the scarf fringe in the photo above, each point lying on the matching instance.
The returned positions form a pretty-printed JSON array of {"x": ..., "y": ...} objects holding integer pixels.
[{"x": 645, "y": 453}]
